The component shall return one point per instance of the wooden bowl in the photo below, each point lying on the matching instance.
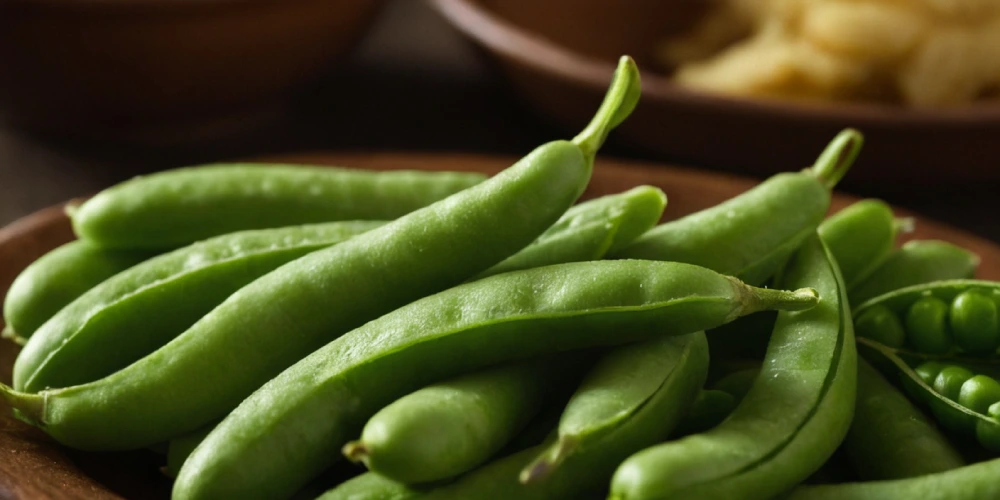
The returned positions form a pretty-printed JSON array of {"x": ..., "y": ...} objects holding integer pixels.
[
  {"x": 33, "y": 467},
  {"x": 137, "y": 70},
  {"x": 559, "y": 55}
]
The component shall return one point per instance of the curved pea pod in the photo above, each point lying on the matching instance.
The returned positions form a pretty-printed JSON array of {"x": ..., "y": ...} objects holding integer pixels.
[
  {"x": 890, "y": 438},
  {"x": 792, "y": 420},
  {"x": 972, "y": 481},
  {"x": 860, "y": 237},
  {"x": 141, "y": 309},
  {"x": 961, "y": 400},
  {"x": 177, "y": 207},
  {"x": 915, "y": 263},
  {"x": 451, "y": 427},
  {"x": 260, "y": 448},
  {"x": 738, "y": 383},
  {"x": 648, "y": 384},
  {"x": 590, "y": 230},
  {"x": 752, "y": 235},
  {"x": 56, "y": 279},
  {"x": 937, "y": 316}
]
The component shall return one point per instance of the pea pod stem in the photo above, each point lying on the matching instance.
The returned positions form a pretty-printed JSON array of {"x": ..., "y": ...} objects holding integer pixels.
[
  {"x": 621, "y": 98},
  {"x": 837, "y": 158}
]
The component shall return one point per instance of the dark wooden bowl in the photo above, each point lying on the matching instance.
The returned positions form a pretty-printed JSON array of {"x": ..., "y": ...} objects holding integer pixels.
[
  {"x": 34, "y": 467},
  {"x": 559, "y": 55},
  {"x": 146, "y": 70}
]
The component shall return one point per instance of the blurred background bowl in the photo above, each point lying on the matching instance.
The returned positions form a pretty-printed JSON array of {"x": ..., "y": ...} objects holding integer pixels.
[
  {"x": 559, "y": 55},
  {"x": 138, "y": 70}
]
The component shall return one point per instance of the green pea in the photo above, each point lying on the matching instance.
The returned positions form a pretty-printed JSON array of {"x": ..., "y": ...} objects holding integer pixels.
[
  {"x": 56, "y": 279},
  {"x": 949, "y": 385},
  {"x": 927, "y": 326},
  {"x": 793, "y": 419},
  {"x": 752, "y": 235},
  {"x": 881, "y": 325},
  {"x": 889, "y": 437},
  {"x": 927, "y": 372},
  {"x": 178, "y": 207},
  {"x": 979, "y": 393},
  {"x": 974, "y": 323},
  {"x": 988, "y": 432},
  {"x": 330, "y": 393}
]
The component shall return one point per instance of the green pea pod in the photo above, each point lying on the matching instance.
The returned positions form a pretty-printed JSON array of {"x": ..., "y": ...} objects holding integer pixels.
[
  {"x": 860, "y": 237},
  {"x": 371, "y": 486},
  {"x": 972, "y": 481},
  {"x": 752, "y": 235},
  {"x": 591, "y": 229},
  {"x": 139, "y": 310},
  {"x": 177, "y": 207},
  {"x": 793, "y": 418},
  {"x": 890, "y": 438},
  {"x": 451, "y": 427},
  {"x": 956, "y": 396},
  {"x": 938, "y": 315},
  {"x": 628, "y": 379},
  {"x": 917, "y": 262},
  {"x": 586, "y": 471},
  {"x": 56, "y": 279},
  {"x": 329, "y": 394}
]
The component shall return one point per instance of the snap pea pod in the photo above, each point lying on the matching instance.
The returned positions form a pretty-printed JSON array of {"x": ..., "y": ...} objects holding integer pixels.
[
  {"x": 590, "y": 230},
  {"x": 284, "y": 315},
  {"x": 629, "y": 379},
  {"x": 260, "y": 450},
  {"x": 587, "y": 471},
  {"x": 935, "y": 318},
  {"x": 972, "y": 481},
  {"x": 915, "y": 263},
  {"x": 177, "y": 207},
  {"x": 752, "y": 235},
  {"x": 860, "y": 237},
  {"x": 56, "y": 279},
  {"x": 139, "y": 310},
  {"x": 889, "y": 437},
  {"x": 960, "y": 400},
  {"x": 791, "y": 421},
  {"x": 451, "y": 427}
]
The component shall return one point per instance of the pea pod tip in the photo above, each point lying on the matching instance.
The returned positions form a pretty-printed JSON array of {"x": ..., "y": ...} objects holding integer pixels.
[{"x": 356, "y": 452}]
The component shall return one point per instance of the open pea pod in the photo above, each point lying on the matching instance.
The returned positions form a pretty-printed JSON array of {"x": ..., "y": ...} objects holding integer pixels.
[
  {"x": 941, "y": 317},
  {"x": 962, "y": 412}
]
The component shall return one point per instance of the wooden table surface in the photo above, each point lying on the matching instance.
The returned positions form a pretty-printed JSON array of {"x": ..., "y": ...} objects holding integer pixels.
[{"x": 414, "y": 85}]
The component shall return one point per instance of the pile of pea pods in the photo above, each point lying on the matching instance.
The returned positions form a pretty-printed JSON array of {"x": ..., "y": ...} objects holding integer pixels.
[{"x": 286, "y": 331}]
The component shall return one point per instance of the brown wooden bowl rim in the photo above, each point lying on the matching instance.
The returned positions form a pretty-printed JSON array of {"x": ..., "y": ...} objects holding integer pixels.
[{"x": 512, "y": 41}]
